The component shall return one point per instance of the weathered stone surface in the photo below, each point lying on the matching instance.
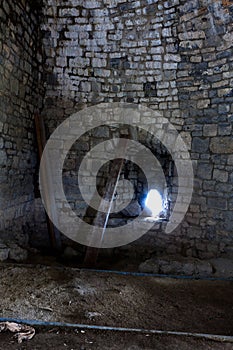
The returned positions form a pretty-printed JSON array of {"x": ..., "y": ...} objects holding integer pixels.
[
  {"x": 182, "y": 69},
  {"x": 149, "y": 266},
  {"x": 17, "y": 253},
  {"x": 218, "y": 203},
  {"x": 171, "y": 266},
  {"x": 70, "y": 253},
  {"x": 21, "y": 94},
  {"x": 222, "y": 267},
  {"x": 133, "y": 209},
  {"x": 204, "y": 170},
  {"x": 210, "y": 130},
  {"x": 200, "y": 145},
  {"x": 4, "y": 252},
  {"x": 222, "y": 145},
  {"x": 220, "y": 175},
  {"x": 172, "y": 56}
]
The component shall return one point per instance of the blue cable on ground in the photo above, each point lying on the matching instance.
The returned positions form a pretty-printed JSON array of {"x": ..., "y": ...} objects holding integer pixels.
[
  {"x": 142, "y": 274},
  {"x": 213, "y": 337}
]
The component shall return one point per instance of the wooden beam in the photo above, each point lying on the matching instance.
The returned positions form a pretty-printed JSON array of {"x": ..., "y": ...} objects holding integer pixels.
[
  {"x": 103, "y": 213},
  {"x": 54, "y": 235},
  {"x": 102, "y": 217}
]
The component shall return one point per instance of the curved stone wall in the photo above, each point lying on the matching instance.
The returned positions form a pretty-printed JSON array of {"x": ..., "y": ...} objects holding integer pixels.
[
  {"x": 20, "y": 95},
  {"x": 172, "y": 56}
]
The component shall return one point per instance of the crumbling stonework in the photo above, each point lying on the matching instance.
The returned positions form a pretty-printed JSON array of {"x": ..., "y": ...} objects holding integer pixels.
[
  {"x": 20, "y": 95},
  {"x": 173, "y": 56},
  {"x": 109, "y": 51},
  {"x": 205, "y": 93}
]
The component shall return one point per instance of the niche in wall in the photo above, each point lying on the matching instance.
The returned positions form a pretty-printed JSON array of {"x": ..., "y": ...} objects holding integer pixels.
[{"x": 133, "y": 181}]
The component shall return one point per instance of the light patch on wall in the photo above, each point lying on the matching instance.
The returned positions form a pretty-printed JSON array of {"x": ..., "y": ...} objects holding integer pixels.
[{"x": 154, "y": 202}]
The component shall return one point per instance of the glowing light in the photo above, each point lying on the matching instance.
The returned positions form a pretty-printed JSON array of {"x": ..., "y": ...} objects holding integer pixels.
[{"x": 154, "y": 202}]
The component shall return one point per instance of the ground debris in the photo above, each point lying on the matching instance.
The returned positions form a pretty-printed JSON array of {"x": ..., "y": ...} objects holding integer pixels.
[
  {"x": 24, "y": 332},
  {"x": 92, "y": 315}
]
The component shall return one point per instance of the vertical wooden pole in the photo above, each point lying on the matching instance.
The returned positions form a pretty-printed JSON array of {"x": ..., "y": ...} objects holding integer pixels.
[
  {"x": 41, "y": 141},
  {"x": 102, "y": 217}
]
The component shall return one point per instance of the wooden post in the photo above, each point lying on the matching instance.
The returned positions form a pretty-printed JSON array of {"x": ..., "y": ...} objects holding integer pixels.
[
  {"x": 102, "y": 217},
  {"x": 41, "y": 142}
]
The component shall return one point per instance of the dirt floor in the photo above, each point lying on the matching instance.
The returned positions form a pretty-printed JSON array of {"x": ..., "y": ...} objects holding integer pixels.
[
  {"x": 69, "y": 295},
  {"x": 62, "y": 339}
]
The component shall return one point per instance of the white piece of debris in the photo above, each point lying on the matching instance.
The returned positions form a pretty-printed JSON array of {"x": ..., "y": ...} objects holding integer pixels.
[
  {"x": 91, "y": 315},
  {"x": 24, "y": 332},
  {"x": 46, "y": 308}
]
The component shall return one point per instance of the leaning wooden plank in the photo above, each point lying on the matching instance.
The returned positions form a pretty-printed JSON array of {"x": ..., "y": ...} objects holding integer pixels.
[
  {"x": 47, "y": 184},
  {"x": 104, "y": 209}
]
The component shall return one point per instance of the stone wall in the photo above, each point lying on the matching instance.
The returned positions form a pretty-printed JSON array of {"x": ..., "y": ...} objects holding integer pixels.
[
  {"x": 205, "y": 90},
  {"x": 109, "y": 51},
  {"x": 172, "y": 56},
  {"x": 20, "y": 92}
]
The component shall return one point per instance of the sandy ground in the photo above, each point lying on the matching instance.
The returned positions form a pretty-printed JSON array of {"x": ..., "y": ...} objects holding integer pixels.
[
  {"x": 97, "y": 298},
  {"x": 87, "y": 297}
]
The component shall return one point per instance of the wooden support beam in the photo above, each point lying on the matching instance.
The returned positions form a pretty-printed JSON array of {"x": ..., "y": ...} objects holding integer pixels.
[
  {"x": 54, "y": 235},
  {"x": 103, "y": 213}
]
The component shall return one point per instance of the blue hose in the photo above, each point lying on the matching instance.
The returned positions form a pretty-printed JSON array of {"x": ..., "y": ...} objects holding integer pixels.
[
  {"x": 213, "y": 337},
  {"x": 142, "y": 274}
]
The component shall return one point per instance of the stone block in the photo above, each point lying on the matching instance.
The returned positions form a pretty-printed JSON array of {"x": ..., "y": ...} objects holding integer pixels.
[
  {"x": 170, "y": 66},
  {"x": 188, "y": 45},
  {"x": 203, "y": 268},
  {"x": 203, "y": 103},
  {"x": 190, "y": 35},
  {"x": 69, "y": 12},
  {"x": 101, "y": 131},
  {"x": 217, "y": 203},
  {"x": 149, "y": 266},
  {"x": 133, "y": 209},
  {"x": 17, "y": 253},
  {"x": 224, "y": 129},
  {"x": 153, "y": 65},
  {"x": 166, "y": 32},
  {"x": 3, "y": 157},
  {"x": 220, "y": 175},
  {"x": 91, "y": 4},
  {"x": 225, "y": 92},
  {"x": 224, "y": 187},
  {"x": 4, "y": 252},
  {"x": 210, "y": 130},
  {"x": 61, "y": 61},
  {"x": 200, "y": 145},
  {"x": 172, "y": 58},
  {"x": 223, "y": 267},
  {"x": 222, "y": 145},
  {"x": 204, "y": 171},
  {"x": 98, "y": 62},
  {"x": 230, "y": 159},
  {"x": 172, "y": 265}
]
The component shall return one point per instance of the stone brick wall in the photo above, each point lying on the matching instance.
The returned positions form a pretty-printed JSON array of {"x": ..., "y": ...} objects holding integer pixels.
[
  {"x": 173, "y": 56},
  {"x": 110, "y": 51},
  {"x": 20, "y": 93},
  {"x": 205, "y": 90}
]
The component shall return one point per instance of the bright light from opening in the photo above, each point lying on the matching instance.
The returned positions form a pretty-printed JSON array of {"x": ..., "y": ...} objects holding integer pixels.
[{"x": 154, "y": 202}]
